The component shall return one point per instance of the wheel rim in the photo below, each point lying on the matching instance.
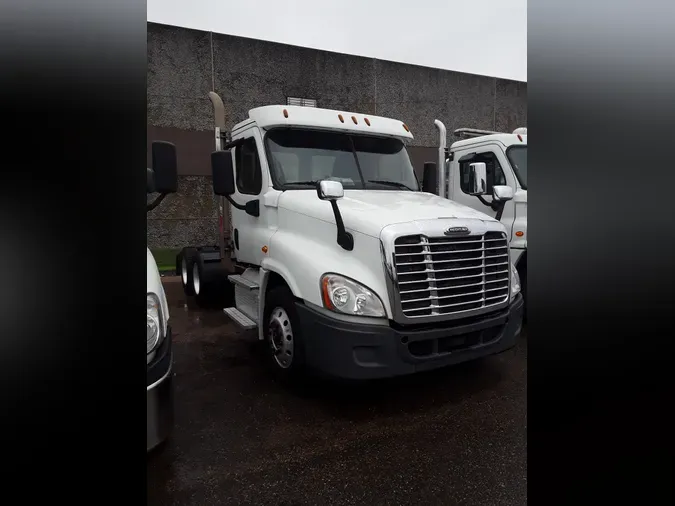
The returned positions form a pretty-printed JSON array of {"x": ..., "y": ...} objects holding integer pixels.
[
  {"x": 184, "y": 271},
  {"x": 281, "y": 337},
  {"x": 196, "y": 284}
]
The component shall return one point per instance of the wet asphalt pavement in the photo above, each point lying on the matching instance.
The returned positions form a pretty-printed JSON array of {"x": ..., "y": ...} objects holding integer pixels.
[{"x": 454, "y": 436}]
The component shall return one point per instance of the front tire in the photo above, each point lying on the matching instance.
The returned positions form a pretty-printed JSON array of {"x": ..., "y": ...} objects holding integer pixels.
[{"x": 284, "y": 349}]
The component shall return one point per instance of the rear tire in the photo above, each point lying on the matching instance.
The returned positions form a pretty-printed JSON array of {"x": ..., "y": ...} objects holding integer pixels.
[
  {"x": 188, "y": 258},
  {"x": 284, "y": 348},
  {"x": 179, "y": 261},
  {"x": 210, "y": 285}
]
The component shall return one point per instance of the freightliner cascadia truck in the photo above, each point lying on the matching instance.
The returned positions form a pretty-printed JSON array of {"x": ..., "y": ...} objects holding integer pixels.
[{"x": 340, "y": 261}]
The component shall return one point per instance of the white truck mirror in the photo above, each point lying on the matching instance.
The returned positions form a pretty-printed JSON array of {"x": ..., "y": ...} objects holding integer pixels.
[
  {"x": 502, "y": 193},
  {"x": 477, "y": 178},
  {"x": 330, "y": 190}
]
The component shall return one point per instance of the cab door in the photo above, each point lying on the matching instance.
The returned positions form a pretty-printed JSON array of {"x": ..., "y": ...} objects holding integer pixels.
[
  {"x": 497, "y": 171},
  {"x": 249, "y": 233}
]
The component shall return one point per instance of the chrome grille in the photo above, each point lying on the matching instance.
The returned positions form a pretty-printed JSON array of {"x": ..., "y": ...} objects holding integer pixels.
[{"x": 448, "y": 275}]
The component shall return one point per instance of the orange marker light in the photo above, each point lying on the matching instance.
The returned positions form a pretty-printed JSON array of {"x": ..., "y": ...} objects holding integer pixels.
[
  {"x": 367, "y": 121},
  {"x": 406, "y": 127},
  {"x": 354, "y": 120},
  {"x": 285, "y": 113},
  {"x": 519, "y": 234},
  {"x": 264, "y": 249},
  {"x": 326, "y": 297},
  {"x": 520, "y": 138},
  {"x": 342, "y": 120}
]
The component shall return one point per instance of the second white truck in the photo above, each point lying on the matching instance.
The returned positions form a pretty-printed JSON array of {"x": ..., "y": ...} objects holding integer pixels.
[
  {"x": 339, "y": 260},
  {"x": 505, "y": 158}
]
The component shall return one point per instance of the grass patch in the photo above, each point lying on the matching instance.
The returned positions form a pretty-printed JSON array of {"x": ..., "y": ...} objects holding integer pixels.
[{"x": 165, "y": 258}]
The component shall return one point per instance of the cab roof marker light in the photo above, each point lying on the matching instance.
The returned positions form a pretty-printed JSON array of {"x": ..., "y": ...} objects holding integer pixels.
[
  {"x": 285, "y": 113},
  {"x": 354, "y": 120},
  {"x": 342, "y": 120},
  {"x": 367, "y": 121}
]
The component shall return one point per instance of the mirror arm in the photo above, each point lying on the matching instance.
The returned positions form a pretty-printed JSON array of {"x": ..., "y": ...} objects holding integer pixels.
[
  {"x": 344, "y": 238},
  {"x": 500, "y": 205},
  {"x": 149, "y": 207},
  {"x": 252, "y": 207},
  {"x": 492, "y": 205},
  {"x": 234, "y": 204}
]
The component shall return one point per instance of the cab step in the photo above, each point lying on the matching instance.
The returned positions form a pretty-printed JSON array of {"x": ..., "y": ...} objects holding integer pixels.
[
  {"x": 240, "y": 318},
  {"x": 241, "y": 281}
]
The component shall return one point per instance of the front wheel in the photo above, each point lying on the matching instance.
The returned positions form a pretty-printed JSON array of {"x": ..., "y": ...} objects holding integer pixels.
[{"x": 284, "y": 351}]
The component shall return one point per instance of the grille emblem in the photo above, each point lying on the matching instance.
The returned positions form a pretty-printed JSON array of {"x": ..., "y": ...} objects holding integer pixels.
[{"x": 457, "y": 231}]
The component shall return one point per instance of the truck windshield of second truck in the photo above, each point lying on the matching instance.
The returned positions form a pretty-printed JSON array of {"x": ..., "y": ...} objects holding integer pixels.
[
  {"x": 518, "y": 158},
  {"x": 299, "y": 158}
]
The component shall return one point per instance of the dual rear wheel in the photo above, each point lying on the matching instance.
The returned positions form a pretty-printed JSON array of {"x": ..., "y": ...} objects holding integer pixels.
[{"x": 205, "y": 281}]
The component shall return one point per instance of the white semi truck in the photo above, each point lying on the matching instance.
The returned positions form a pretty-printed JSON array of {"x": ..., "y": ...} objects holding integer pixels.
[
  {"x": 336, "y": 257},
  {"x": 505, "y": 157}
]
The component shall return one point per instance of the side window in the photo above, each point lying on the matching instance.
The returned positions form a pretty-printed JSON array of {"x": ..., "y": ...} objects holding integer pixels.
[
  {"x": 249, "y": 173},
  {"x": 493, "y": 170}
]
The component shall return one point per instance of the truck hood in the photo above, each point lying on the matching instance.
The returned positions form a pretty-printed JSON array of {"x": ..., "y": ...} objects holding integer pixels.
[{"x": 369, "y": 211}]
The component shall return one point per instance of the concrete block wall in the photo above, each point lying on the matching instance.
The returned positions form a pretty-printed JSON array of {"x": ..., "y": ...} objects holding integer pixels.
[{"x": 184, "y": 65}]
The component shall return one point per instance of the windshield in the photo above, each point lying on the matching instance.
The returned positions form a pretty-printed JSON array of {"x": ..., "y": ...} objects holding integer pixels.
[
  {"x": 518, "y": 158},
  {"x": 300, "y": 157}
]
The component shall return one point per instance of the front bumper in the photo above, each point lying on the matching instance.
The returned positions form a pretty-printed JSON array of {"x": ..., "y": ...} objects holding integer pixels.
[
  {"x": 361, "y": 351},
  {"x": 160, "y": 394}
]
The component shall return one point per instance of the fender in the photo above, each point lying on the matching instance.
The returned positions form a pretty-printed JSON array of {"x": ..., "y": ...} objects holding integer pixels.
[
  {"x": 302, "y": 258},
  {"x": 269, "y": 265}
]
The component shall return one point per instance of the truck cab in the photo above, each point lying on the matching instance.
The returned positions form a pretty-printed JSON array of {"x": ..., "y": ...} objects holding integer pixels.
[
  {"x": 342, "y": 263},
  {"x": 505, "y": 158}
]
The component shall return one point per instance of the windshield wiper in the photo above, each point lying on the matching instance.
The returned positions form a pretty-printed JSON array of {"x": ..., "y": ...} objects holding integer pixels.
[{"x": 391, "y": 183}]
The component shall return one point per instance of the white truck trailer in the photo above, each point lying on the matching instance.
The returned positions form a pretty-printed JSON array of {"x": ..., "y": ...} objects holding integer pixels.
[
  {"x": 336, "y": 257},
  {"x": 505, "y": 157}
]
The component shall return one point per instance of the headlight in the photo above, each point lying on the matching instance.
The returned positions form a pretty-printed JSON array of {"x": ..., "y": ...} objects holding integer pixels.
[
  {"x": 155, "y": 330},
  {"x": 515, "y": 281},
  {"x": 344, "y": 295}
]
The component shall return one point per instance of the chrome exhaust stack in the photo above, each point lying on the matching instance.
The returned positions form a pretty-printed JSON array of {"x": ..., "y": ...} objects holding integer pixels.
[{"x": 442, "y": 140}]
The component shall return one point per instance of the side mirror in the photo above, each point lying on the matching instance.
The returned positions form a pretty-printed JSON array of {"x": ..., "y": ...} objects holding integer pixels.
[
  {"x": 477, "y": 179},
  {"x": 501, "y": 193},
  {"x": 430, "y": 178},
  {"x": 222, "y": 172},
  {"x": 330, "y": 190},
  {"x": 164, "y": 167}
]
